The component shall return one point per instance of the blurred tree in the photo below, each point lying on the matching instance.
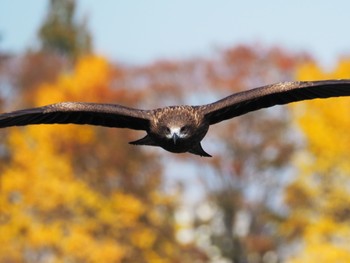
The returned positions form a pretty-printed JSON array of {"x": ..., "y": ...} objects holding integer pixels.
[
  {"x": 253, "y": 155},
  {"x": 250, "y": 157},
  {"x": 318, "y": 199},
  {"x": 115, "y": 179},
  {"x": 62, "y": 40},
  {"x": 62, "y": 34},
  {"x": 26, "y": 77},
  {"x": 4, "y": 76},
  {"x": 67, "y": 195}
]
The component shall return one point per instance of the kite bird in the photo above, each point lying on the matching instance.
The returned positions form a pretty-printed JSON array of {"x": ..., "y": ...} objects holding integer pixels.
[{"x": 177, "y": 129}]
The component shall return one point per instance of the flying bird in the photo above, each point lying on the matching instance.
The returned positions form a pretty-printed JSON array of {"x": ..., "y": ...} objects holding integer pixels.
[{"x": 177, "y": 129}]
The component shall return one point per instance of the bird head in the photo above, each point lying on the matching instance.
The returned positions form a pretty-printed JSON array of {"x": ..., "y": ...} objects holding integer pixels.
[
  {"x": 176, "y": 125},
  {"x": 177, "y": 132},
  {"x": 177, "y": 129}
]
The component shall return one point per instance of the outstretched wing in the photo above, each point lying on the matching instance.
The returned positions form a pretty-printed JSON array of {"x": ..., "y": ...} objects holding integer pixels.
[
  {"x": 270, "y": 95},
  {"x": 108, "y": 115}
]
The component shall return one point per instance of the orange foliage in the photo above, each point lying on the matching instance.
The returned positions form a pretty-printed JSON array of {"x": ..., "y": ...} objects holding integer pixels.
[
  {"x": 69, "y": 195},
  {"x": 319, "y": 197},
  {"x": 81, "y": 194}
]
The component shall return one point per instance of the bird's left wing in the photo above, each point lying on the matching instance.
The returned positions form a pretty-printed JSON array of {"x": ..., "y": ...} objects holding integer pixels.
[
  {"x": 109, "y": 115},
  {"x": 270, "y": 95}
]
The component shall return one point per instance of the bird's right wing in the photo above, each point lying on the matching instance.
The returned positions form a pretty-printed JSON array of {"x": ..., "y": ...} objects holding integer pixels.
[
  {"x": 270, "y": 95},
  {"x": 109, "y": 115}
]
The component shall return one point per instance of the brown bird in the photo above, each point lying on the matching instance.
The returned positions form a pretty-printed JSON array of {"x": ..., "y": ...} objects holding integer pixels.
[{"x": 177, "y": 129}]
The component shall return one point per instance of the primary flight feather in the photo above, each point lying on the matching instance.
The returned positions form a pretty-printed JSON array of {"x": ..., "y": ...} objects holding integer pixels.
[{"x": 177, "y": 129}]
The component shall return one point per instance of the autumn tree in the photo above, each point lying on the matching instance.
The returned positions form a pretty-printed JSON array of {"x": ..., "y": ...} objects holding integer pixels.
[
  {"x": 318, "y": 199},
  {"x": 76, "y": 193},
  {"x": 61, "y": 33},
  {"x": 62, "y": 40},
  {"x": 250, "y": 152},
  {"x": 252, "y": 155},
  {"x": 93, "y": 197}
]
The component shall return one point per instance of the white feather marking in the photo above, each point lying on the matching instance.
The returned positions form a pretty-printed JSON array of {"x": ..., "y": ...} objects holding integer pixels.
[{"x": 177, "y": 131}]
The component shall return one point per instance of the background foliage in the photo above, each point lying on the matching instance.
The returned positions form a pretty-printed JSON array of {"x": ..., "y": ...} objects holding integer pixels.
[
  {"x": 275, "y": 191},
  {"x": 318, "y": 199}
]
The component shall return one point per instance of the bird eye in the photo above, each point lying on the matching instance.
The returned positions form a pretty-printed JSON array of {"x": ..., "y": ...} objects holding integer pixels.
[
  {"x": 167, "y": 130},
  {"x": 184, "y": 129}
]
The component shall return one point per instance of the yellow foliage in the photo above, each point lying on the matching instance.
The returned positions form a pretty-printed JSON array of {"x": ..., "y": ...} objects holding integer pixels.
[
  {"x": 325, "y": 123},
  {"x": 311, "y": 71},
  {"x": 325, "y": 241},
  {"x": 130, "y": 207},
  {"x": 144, "y": 238},
  {"x": 47, "y": 210},
  {"x": 38, "y": 190},
  {"x": 90, "y": 80},
  {"x": 320, "y": 195}
]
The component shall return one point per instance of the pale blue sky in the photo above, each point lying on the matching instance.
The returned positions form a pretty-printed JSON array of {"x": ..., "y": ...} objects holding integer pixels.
[{"x": 136, "y": 31}]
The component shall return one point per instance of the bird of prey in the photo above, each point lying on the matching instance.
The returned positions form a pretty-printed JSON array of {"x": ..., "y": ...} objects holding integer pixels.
[{"x": 177, "y": 129}]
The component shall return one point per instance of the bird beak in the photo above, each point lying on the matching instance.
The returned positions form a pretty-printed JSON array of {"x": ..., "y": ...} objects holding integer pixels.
[{"x": 175, "y": 137}]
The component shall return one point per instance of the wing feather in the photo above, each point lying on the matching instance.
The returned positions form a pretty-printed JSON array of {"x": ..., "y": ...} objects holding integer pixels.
[
  {"x": 109, "y": 115},
  {"x": 271, "y": 95}
]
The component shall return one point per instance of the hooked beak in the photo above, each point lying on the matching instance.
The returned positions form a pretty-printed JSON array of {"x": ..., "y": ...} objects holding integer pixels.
[{"x": 175, "y": 137}]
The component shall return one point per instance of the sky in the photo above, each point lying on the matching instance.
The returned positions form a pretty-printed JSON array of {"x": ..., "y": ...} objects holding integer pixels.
[{"x": 138, "y": 32}]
